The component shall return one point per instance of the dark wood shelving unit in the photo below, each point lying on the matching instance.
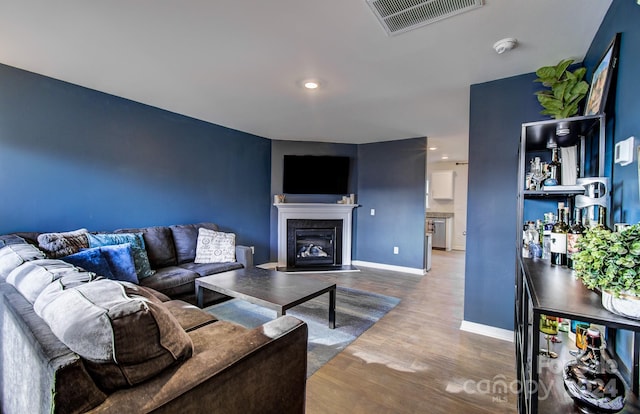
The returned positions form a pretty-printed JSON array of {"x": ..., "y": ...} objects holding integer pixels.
[{"x": 542, "y": 289}]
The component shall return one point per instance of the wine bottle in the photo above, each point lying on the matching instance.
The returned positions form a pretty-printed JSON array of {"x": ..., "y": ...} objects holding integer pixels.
[
  {"x": 602, "y": 212},
  {"x": 559, "y": 239},
  {"x": 573, "y": 236}
]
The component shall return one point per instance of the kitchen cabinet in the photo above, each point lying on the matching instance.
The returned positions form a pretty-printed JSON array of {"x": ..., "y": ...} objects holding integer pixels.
[{"x": 442, "y": 185}]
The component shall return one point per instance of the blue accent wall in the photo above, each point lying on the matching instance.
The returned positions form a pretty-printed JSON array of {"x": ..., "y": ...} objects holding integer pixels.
[
  {"x": 73, "y": 157},
  {"x": 391, "y": 180},
  {"x": 623, "y": 113},
  {"x": 281, "y": 148},
  {"x": 497, "y": 111},
  {"x": 623, "y": 105}
]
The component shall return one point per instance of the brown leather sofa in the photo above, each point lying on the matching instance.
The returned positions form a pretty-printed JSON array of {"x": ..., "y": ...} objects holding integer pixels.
[{"x": 228, "y": 369}]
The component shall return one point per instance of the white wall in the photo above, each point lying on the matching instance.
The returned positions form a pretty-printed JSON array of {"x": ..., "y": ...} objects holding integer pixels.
[{"x": 457, "y": 206}]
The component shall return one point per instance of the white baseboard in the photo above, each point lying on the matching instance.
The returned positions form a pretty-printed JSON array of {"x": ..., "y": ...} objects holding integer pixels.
[
  {"x": 393, "y": 268},
  {"x": 401, "y": 269},
  {"x": 486, "y": 330}
]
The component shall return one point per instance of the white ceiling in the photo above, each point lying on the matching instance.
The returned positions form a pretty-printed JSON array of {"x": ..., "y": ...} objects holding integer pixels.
[{"x": 239, "y": 64}]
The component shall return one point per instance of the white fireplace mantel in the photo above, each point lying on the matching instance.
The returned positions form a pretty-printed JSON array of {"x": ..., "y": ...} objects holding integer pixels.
[{"x": 314, "y": 211}]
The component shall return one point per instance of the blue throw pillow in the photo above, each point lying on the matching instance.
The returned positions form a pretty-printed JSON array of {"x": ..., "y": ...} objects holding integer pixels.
[
  {"x": 120, "y": 260},
  {"x": 90, "y": 260},
  {"x": 140, "y": 258}
]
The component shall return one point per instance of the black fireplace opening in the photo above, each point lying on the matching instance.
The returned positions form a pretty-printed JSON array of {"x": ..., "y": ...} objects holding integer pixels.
[{"x": 314, "y": 243}]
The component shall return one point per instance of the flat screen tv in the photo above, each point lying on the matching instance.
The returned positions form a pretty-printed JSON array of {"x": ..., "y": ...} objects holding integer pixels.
[{"x": 315, "y": 174}]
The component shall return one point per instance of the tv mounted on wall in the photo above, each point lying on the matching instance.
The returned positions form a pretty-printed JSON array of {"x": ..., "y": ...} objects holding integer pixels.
[{"x": 315, "y": 174}]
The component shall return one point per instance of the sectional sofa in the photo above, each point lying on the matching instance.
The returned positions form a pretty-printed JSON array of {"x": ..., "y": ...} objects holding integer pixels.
[{"x": 73, "y": 341}]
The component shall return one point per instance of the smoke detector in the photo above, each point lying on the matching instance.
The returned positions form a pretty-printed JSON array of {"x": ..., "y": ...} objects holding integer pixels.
[
  {"x": 399, "y": 16},
  {"x": 505, "y": 45}
]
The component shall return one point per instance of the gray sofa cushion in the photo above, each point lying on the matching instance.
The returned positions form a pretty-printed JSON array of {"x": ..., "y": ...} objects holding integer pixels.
[
  {"x": 13, "y": 255},
  {"x": 124, "y": 334},
  {"x": 206, "y": 269},
  {"x": 172, "y": 281},
  {"x": 7, "y": 239},
  {"x": 159, "y": 244},
  {"x": 30, "y": 278},
  {"x": 185, "y": 238}
]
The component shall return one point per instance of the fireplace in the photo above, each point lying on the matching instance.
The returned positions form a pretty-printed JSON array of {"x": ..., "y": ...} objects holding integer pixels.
[
  {"x": 314, "y": 243},
  {"x": 315, "y": 216}
]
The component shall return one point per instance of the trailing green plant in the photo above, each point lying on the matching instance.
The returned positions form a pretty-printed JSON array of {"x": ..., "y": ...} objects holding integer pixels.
[
  {"x": 567, "y": 89},
  {"x": 610, "y": 260}
]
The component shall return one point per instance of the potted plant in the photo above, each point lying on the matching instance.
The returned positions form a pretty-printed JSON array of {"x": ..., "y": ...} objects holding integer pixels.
[
  {"x": 567, "y": 89},
  {"x": 610, "y": 261}
]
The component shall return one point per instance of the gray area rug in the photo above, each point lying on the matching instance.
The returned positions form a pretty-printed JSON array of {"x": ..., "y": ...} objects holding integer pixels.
[{"x": 356, "y": 311}]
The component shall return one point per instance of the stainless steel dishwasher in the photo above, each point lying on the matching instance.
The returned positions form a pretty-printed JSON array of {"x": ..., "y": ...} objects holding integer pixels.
[{"x": 439, "y": 240}]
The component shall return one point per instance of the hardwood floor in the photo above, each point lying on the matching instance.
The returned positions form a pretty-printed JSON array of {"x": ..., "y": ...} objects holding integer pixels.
[{"x": 416, "y": 359}]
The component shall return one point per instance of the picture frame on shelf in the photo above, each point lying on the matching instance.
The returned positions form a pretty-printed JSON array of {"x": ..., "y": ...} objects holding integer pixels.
[{"x": 601, "y": 80}]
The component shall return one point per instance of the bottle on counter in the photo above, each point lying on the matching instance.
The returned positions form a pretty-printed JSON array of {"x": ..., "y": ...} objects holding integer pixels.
[
  {"x": 559, "y": 239},
  {"x": 549, "y": 221},
  {"x": 573, "y": 236},
  {"x": 602, "y": 220},
  {"x": 532, "y": 240},
  {"x": 554, "y": 168}
]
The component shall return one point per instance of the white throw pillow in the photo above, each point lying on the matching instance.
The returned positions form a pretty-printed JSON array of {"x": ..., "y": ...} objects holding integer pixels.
[{"x": 215, "y": 247}]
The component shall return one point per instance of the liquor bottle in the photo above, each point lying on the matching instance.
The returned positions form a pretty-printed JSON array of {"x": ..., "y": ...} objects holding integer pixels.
[
  {"x": 602, "y": 212},
  {"x": 540, "y": 228},
  {"x": 532, "y": 240},
  {"x": 573, "y": 236},
  {"x": 554, "y": 169},
  {"x": 559, "y": 239}
]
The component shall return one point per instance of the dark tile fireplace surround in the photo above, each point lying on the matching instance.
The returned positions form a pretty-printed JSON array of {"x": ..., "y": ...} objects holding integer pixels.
[{"x": 314, "y": 244}]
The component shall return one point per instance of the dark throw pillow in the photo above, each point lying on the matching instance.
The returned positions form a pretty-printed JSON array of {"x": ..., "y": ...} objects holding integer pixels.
[
  {"x": 121, "y": 263},
  {"x": 140, "y": 258},
  {"x": 91, "y": 260}
]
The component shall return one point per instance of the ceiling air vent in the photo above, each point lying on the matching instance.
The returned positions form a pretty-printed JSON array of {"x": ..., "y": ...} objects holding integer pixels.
[{"x": 399, "y": 16}]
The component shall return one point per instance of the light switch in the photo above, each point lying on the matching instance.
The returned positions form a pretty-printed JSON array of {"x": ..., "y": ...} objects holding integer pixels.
[
  {"x": 373, "y": 211},
  {"x": 623, "y": 153}
]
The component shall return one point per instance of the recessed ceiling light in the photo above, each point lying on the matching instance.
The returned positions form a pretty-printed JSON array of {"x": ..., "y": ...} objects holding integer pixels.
[
  {"x": 311, "y": 83},
  {"x": 445, "y": 157},
  {"x": 433, "y": 148}
]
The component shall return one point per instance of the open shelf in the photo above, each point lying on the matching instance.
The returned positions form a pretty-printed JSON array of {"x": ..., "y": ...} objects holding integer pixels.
[
  {"x": 538, "y": 133},
  {"x": 552, "y": 397},
  {"x": 555, "y": 291}
]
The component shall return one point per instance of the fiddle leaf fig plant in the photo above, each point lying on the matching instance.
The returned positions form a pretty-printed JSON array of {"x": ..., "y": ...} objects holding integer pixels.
[
  {"x": 567, "y": 89},
  {"x": 610, "y": 261}
]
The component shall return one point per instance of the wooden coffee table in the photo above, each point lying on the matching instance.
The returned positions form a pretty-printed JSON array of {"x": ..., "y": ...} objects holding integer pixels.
[{"x": 269, "y": 288}]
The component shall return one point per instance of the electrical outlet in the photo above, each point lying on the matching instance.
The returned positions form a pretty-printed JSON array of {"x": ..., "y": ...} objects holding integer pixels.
[
  {"x": 396, "y": 250},
  {"x": 253, "y": 249},
  {"x": 373, "y": 211}
]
